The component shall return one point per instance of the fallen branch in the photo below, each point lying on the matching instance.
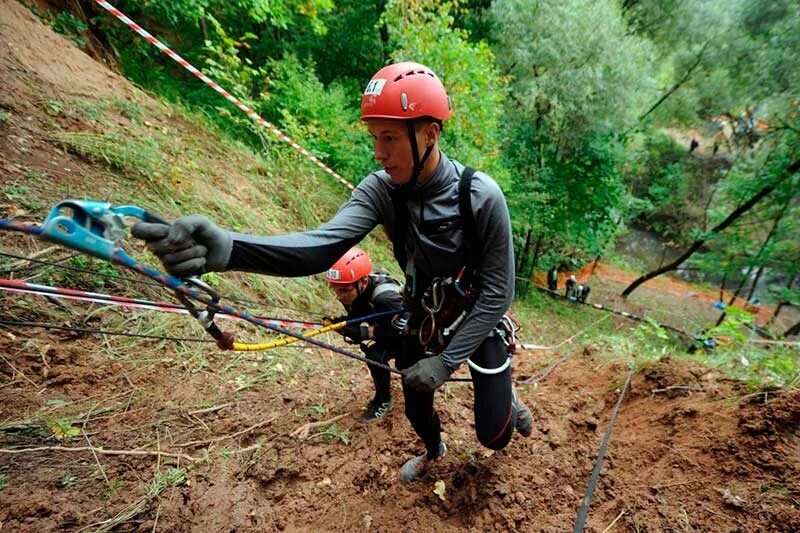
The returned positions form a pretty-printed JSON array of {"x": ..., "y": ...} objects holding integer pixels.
[
  {"x": 18, "y": 371},
  {"x": 22, "y": 262},
  {"x": 678, "y": 387},
  {"x": 210, "y": 409},
  {"x": 606, "y": 530},
  {"x": 226, "y": 437},
  {"x": 98, "y": 450},
  {"x": 536, "y": 378},
  {"x": 304, "y": 431}
]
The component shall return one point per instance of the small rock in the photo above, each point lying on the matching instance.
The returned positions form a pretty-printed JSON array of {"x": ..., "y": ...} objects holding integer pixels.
[{"x": 732, "y": 500}]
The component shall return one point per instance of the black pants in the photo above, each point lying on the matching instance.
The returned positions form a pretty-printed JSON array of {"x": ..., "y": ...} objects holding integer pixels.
[
  {"x": 380, "y": 376},
  {"x": 493, "y": 409}
]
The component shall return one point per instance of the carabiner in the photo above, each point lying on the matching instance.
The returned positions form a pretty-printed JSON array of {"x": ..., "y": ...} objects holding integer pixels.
[{"x": 224, "y": 339}]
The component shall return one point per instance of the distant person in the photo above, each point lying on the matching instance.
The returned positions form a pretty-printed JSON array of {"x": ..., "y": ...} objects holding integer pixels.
[
  {"x": 583, "y": 293},
  {"x": 694, "y": 143},
  {"x": 552, "y": 279},
  {"x": 702, "y": 340},
  {"x": 451, "y": 235},
  {"x": 571, "y": 288},
  {"x": 363, "y": 292}
]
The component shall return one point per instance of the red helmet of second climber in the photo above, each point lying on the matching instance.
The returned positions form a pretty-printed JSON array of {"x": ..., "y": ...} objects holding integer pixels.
[
  {"x": 353, "y": 266},
  {"x": 405, "y": 91}
]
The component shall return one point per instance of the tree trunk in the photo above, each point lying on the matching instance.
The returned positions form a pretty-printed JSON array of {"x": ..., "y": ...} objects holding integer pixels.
[
  {"x": 674, "y": 88},
  {"x": 738, "y": 290},
  {"x": 722, "y": 286},
  {"x": 525, "y": 251},
  {"x": 755, "y": 283},
  {"x": 794, "y": 330},
  {"x": 383, "y": 30},
  {"x": 781, "y": 304},
  {"x": 757, "y": 258},
  {"x": 739, "y": 211},
  {"x": 536, "y": 250}
]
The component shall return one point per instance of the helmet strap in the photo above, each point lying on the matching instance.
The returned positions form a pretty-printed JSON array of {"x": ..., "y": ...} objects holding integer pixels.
[{"x": 419, "y": 164}]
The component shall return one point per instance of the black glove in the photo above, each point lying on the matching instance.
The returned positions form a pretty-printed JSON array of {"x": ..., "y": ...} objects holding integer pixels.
[
  {"x": 351, "y": 333},
  {"x": 329, "y": 320},
  {"x": 427, "y": 375},
  {"x": 190, "y": 246}
]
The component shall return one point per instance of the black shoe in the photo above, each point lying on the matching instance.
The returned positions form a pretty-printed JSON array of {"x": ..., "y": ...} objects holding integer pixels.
[
  {"x": 415, "y": 467},
  {"x": 524, "y": 422},
  {"x": 376, "y": 411}
]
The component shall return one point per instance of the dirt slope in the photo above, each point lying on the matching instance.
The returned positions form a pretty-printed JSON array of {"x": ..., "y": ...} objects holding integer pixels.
[
  {"x": 691, "y": 451},
  {"x": 703, "y": 456}
]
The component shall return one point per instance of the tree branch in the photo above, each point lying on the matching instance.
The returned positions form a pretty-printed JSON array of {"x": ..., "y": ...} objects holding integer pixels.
[{"x": 790, "y": 170}]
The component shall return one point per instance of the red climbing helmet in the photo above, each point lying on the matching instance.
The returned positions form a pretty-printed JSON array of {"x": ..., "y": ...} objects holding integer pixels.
[
  {"x": 353, "y": 266},
  {"x": 405, "y": 91}
]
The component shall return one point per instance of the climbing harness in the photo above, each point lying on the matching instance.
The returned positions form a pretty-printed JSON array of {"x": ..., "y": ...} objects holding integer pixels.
[
  {"x": 506, "y": 331},
  {"x": 445, "y": 304}
]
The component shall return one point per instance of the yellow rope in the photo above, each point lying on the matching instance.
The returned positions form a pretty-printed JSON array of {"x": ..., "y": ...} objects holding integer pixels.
[{"x": 257, "y": 347}]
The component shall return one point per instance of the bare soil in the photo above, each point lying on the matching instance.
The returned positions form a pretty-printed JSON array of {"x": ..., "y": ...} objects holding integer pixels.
[{"x": 692, "y": 451}]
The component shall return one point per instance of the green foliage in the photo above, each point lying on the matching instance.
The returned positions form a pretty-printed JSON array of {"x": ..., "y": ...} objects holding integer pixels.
[
  {"x": 3, "y": 481},
  {"x": 54, "y": 106},
  {"x": 424, "y": 32},
  {"x": 576, "y": 68},
  {"x": 4, "y": 116},
  {"x": 325, "y": 119},
  {"x": 650, "y": 328},
  {"x": 662, "y": 176},
  {"x": 334, "y": 433},
  {"x": 67, "y": 480},
  {"x": 62, "y": 429},
  {"x": 113, "y": 488},
  {"x": 731, "y": 328},
  {"x": 573, "y": 205},
  {"x": 354, "y": 47},
  {"x": 135, "y": 156},
  {"x": 71, "y": 27}
]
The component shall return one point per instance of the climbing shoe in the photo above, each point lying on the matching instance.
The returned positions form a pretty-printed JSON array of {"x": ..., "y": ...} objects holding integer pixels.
[
  {"x": 416, "y": 466},
  {"x": 524, "y": 422},
  {"x": 375, "y": 411}
]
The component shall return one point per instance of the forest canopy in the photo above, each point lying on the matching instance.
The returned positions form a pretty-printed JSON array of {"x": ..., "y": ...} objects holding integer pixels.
[{"x": 592, "y": 115}]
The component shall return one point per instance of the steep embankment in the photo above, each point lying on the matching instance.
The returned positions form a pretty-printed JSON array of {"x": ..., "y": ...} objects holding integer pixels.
[{"x": 96, "y": 424}]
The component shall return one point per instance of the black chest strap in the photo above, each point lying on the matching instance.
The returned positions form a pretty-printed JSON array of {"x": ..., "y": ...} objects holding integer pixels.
[{"x": 400, "y": 204}]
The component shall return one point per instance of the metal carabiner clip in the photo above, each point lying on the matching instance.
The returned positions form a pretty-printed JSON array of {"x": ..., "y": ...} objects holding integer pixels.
[{"x": 224, "y": 339}]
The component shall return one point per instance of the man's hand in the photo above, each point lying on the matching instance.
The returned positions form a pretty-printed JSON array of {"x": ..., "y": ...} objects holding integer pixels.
[
  {"x": 427, "y": 375},
  {"x": 190, "y": 246}
]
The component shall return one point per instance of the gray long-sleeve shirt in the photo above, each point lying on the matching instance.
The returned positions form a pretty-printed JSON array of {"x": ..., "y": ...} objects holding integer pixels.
[{"x": 434, "y": 243}]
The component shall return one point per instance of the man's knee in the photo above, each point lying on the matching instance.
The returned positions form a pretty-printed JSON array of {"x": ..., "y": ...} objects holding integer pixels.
[{"x": 495, "y": 440}]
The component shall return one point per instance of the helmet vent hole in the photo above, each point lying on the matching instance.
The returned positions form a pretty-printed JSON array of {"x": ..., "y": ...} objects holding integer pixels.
[{"x": 404, "y": 101}]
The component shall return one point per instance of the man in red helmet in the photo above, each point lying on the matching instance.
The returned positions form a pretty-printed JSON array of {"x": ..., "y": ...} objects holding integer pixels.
[
  {"x": 363, "y": 292},
  {"x": 451, "y": 234}
]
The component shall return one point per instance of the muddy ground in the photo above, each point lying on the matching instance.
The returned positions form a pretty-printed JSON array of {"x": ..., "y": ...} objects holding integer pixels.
[
  {"x": 93, "y": 423},
  {"x": 691, "y": 451}
]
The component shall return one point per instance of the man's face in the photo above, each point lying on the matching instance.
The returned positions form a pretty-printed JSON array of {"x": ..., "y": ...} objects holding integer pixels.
[
  {"x": 346, "y": 294},
  {"x": 392, "y": 148}
]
